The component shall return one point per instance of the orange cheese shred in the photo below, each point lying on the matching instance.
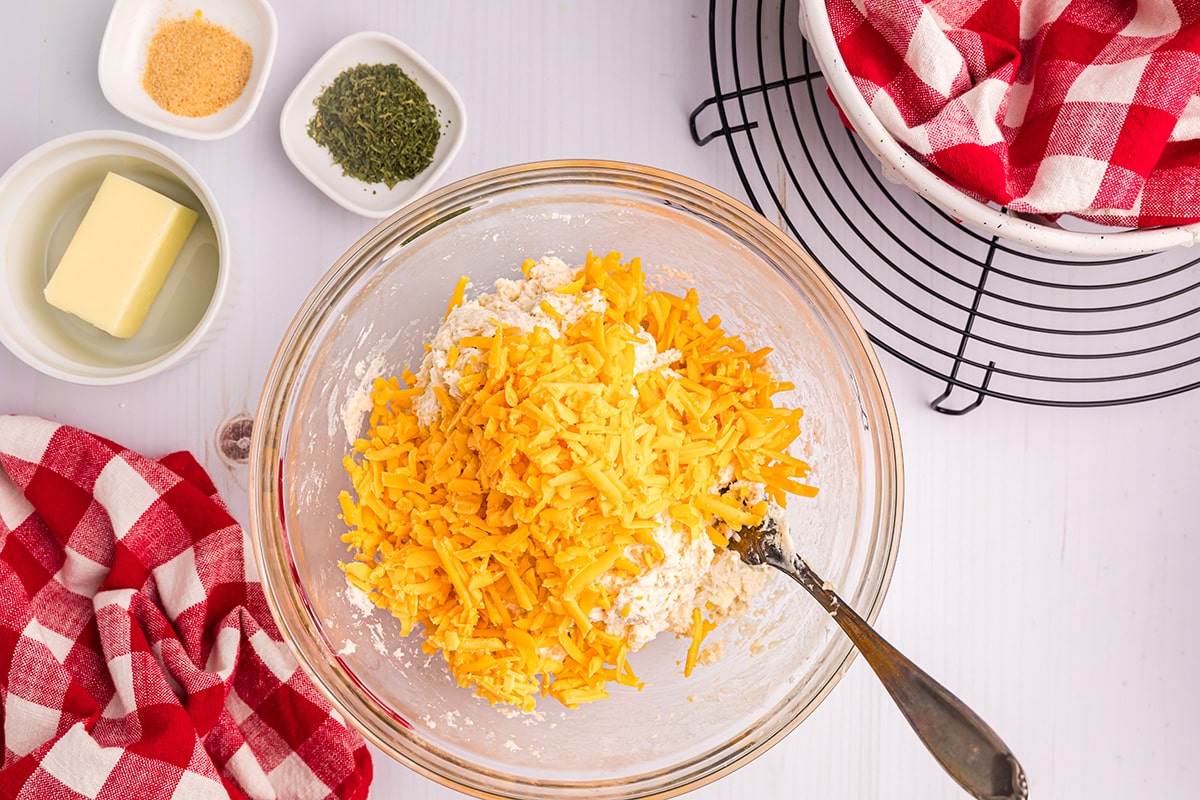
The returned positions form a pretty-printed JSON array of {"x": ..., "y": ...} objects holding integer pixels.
[
  {"x": 700, "y": 629},
  {"x": 456, "y": 297}
]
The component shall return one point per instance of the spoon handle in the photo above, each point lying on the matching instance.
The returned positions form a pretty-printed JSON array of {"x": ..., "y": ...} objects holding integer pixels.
[{"x": 961, "y": 742}]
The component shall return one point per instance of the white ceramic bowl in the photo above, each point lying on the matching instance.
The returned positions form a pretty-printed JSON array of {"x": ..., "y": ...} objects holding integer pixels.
[
  {"x": 43, "y": 197},
  {"x": 374, "y": 200},
  {"x": 123, "y": 58},
  {"x": 900, "y": 166}
]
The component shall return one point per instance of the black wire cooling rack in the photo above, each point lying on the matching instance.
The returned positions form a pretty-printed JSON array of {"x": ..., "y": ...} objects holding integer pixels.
[{"x": 985, "y": 317}]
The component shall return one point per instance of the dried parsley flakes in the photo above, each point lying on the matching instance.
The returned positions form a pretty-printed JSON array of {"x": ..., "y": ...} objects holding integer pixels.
[{"x": 377, "y": 124}]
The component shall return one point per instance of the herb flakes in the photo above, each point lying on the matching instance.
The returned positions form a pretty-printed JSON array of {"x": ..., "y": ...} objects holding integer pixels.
[{"x": 377, "y": 123}]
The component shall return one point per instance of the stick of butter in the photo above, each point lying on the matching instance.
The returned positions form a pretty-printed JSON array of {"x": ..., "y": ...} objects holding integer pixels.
[{"x": 119, "y": 257}]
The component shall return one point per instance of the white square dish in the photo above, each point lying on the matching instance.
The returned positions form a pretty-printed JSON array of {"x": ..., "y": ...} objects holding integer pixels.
[
  {"x": 313, "y": 161},
  {"x": 123, "y": 50}
]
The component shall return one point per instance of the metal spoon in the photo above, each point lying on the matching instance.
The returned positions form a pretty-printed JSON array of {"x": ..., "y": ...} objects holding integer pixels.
[{"x": 961, "y": 742}]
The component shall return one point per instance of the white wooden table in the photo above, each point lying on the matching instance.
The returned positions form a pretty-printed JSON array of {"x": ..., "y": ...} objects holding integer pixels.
[{"x": 1047, "y": 571}]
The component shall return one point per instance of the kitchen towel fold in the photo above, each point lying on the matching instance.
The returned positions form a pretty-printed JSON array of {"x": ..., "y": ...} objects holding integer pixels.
[
  {"x": 138, "y": 657},
  {"x": 1049, "y": 107}
]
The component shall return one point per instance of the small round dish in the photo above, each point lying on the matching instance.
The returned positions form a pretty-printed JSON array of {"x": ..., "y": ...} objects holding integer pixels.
[
  {"x": 43, "y": 197},
  {"x": 131, "y": 25},
  {"x": 314, "y": 162}
]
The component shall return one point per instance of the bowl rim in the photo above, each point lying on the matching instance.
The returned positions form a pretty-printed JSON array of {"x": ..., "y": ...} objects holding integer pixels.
[
  {"x": 185, "y": 127},
  {"x": 818, "y": 31},
  {"x": 278, "y": 571},
  {"x": 190, "y": 343}
]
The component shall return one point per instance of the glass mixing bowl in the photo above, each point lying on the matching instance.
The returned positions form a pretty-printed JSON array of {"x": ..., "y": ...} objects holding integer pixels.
[{"x": 371, "y": 314}]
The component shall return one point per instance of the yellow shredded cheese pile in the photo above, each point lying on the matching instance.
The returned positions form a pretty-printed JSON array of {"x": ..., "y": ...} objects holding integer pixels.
[{"x": 491, "y": 527}]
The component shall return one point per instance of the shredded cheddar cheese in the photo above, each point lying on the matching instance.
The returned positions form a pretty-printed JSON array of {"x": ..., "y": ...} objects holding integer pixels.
[
  {"x": 492, "y": 527},
  {"x": 456, "y": 297},
  {"x": 700, "y": 628}
]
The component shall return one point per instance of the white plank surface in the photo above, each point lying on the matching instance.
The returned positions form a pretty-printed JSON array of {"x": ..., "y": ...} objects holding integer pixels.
[{"x": 1046, "y": 572}]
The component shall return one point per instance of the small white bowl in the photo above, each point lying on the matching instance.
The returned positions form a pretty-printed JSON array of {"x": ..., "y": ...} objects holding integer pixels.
[
  {"x": 43, "y": 197},
  {"x": 374, "y": 200},
  {"x": 123, "y": 59},
  {"x": 900, "y": 166}
]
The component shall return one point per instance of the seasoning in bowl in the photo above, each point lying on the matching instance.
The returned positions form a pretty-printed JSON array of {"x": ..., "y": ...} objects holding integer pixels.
[
  {"x": 557, "y": 484},
  {"x": 377, "y": 123},
  {"x": 195, "y": 68}
]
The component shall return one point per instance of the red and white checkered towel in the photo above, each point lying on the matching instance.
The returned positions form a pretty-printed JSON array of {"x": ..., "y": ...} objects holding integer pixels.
[
  {"x": 1082, "y": 107},
  {"x": 138, "y": 657}
]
